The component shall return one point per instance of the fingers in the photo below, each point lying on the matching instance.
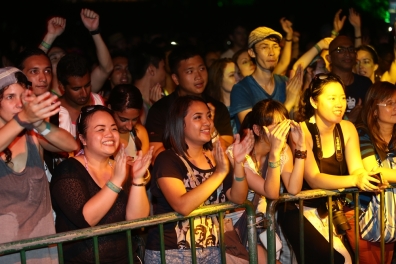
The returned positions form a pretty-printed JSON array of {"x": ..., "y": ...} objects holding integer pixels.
[{"x": 89, "y": 13}]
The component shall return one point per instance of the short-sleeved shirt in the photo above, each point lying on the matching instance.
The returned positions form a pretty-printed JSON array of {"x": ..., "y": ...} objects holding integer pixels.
[
  {"x": 356, "y": 90},
  {"x": 156, "y": 118},
  {"x": 177, "y": 234},
  {"x": 246, "y": 93}
]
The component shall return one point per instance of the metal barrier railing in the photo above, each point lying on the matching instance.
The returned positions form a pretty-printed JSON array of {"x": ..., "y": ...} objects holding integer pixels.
[
  {"x": 311, "y": 194},
  {"x": 22, "y": 246}
]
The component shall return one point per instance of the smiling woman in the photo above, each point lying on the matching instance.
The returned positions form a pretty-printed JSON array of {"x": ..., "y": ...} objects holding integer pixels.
[
  {"x": 92, "y": 189},
  {"x": 187, "y": 175},
  {"x": 332, "y": 163}
]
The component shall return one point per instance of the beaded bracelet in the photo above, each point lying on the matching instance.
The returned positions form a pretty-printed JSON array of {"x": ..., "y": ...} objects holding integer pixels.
[
  {"x": 45, "y": 45},
  {"x": 113, "y": 187},
  {"x": 289, "y": 40},
  {"x": 358, "y": 37},
  {"x": 274, "y": 164},
  {"x": 298, "y": 154},
  {"x": 239, "y": 179}
]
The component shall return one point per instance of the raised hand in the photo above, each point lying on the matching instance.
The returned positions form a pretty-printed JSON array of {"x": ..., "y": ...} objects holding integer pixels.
[
  {"x": 90, "y": 19},
  {"x": 141, "y": 164},
  {"x": 354, "y": 18},
  {"x": 297, "y": 135},
  {"x": 277, "y": 137},
  {"x": 56, "y": 26},
  {"x": 156, "y": 93},
  {"x": 294, "y": 85},
  {"x": 38, "y": 108},
  {"x": 287, "y": 26},
  {"x": 242, "y": 148},
  {"x": 222, "y": 163},
  {"x": 338, "y": 22},
  {"x": 120, "y": 166}
]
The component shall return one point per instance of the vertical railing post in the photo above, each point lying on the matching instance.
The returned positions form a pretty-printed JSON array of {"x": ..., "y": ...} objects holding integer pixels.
[
  {"x": 301, "y": 227},
  {"x": 357, "y": 233},
  {"x": 330, "y": 221},
  {"x": 252, "y": 234},
  {"x": 222, "y": 242},
  {"x": 129, "y": 243},
  {"x": 162, "y": 243},
  {"x": 60, "y": 253},
  {"x": 192, "y": 240},
  {"x": 271, "y": 227},
  {"x": 96, "y": 249},
  {"x": 382, "y": 226}
]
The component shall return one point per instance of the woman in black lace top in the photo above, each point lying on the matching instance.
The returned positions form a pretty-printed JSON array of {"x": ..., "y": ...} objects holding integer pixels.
[{"x": 91, "y": 189}]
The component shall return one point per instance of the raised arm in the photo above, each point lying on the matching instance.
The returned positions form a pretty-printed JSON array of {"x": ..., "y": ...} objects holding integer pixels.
[
  {"x": 285, "y": 57},
  {"x": 238, "y": 192},
  {"x": 308, "y": 56},
  {"x": 138, "y": 205},
  {"x": 338, "y": 23},
  {"x": 102, "y": 71},
  {"x": 55, "y": 27},
  {"x": 354, "y": 19},
  {"x": 293, "y": 89}
]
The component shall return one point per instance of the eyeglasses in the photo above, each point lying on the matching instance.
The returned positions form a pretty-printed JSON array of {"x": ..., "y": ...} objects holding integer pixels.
[
  {"x": 343, "y": 50},
  {"x": 388, "y": 105}
]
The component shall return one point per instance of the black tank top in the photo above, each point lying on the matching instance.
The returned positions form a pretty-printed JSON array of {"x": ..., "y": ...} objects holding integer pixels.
[{"x": 328, "y": 165}]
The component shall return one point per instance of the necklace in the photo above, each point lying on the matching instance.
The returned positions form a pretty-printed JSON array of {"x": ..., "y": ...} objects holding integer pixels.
[{"x": 86, "y": 163}]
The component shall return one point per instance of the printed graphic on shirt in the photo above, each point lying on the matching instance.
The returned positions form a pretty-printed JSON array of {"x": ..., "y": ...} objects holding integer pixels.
[{"x": 206, "y": 228}]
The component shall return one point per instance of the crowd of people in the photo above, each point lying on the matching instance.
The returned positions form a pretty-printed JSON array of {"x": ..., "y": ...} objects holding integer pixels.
[{"x": 156, "y": 128}]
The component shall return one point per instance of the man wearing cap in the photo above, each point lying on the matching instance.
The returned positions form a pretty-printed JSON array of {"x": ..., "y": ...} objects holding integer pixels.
[{"x": 263, "y": 83}]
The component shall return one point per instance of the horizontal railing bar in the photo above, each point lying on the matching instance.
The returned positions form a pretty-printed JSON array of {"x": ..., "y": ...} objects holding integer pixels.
[
  {"x": 38, "y": 242},
  {"x": 317, "y": 193}
]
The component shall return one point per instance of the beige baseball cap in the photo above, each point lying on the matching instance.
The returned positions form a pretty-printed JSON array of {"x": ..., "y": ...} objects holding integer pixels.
[{"x": 261, "y": 33}]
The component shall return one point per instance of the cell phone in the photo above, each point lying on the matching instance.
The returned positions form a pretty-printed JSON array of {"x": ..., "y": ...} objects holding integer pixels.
[{"x": 378, "y": 176}]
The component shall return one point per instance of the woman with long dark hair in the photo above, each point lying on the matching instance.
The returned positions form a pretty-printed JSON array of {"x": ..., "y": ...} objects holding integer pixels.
[{"x": 188, "y": 174}]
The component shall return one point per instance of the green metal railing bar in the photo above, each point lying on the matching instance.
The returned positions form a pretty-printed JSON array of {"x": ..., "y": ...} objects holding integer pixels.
[
  {"x": 312, "y": 194},
  {"x": 59, "y": 239}
]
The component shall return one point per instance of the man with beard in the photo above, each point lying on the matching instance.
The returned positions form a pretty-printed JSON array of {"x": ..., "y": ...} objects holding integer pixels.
[
  {"x": 74, "y": 76},
  {"x": 263, "y": 84}
]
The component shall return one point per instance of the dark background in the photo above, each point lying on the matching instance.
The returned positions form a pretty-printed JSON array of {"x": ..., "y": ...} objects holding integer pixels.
[{"x": 208, "y": 21}]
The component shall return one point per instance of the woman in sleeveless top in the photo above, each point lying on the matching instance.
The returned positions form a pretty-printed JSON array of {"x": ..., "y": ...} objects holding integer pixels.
[
  {"x": 25, "y": 205},
  {"x": 271, "y": 126},
  {"x": 333, "y": 162},
  {"x": 126, "y": 102},
  {"x": 377, "y": 134},
  {"x": 187, "y": 175}
]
